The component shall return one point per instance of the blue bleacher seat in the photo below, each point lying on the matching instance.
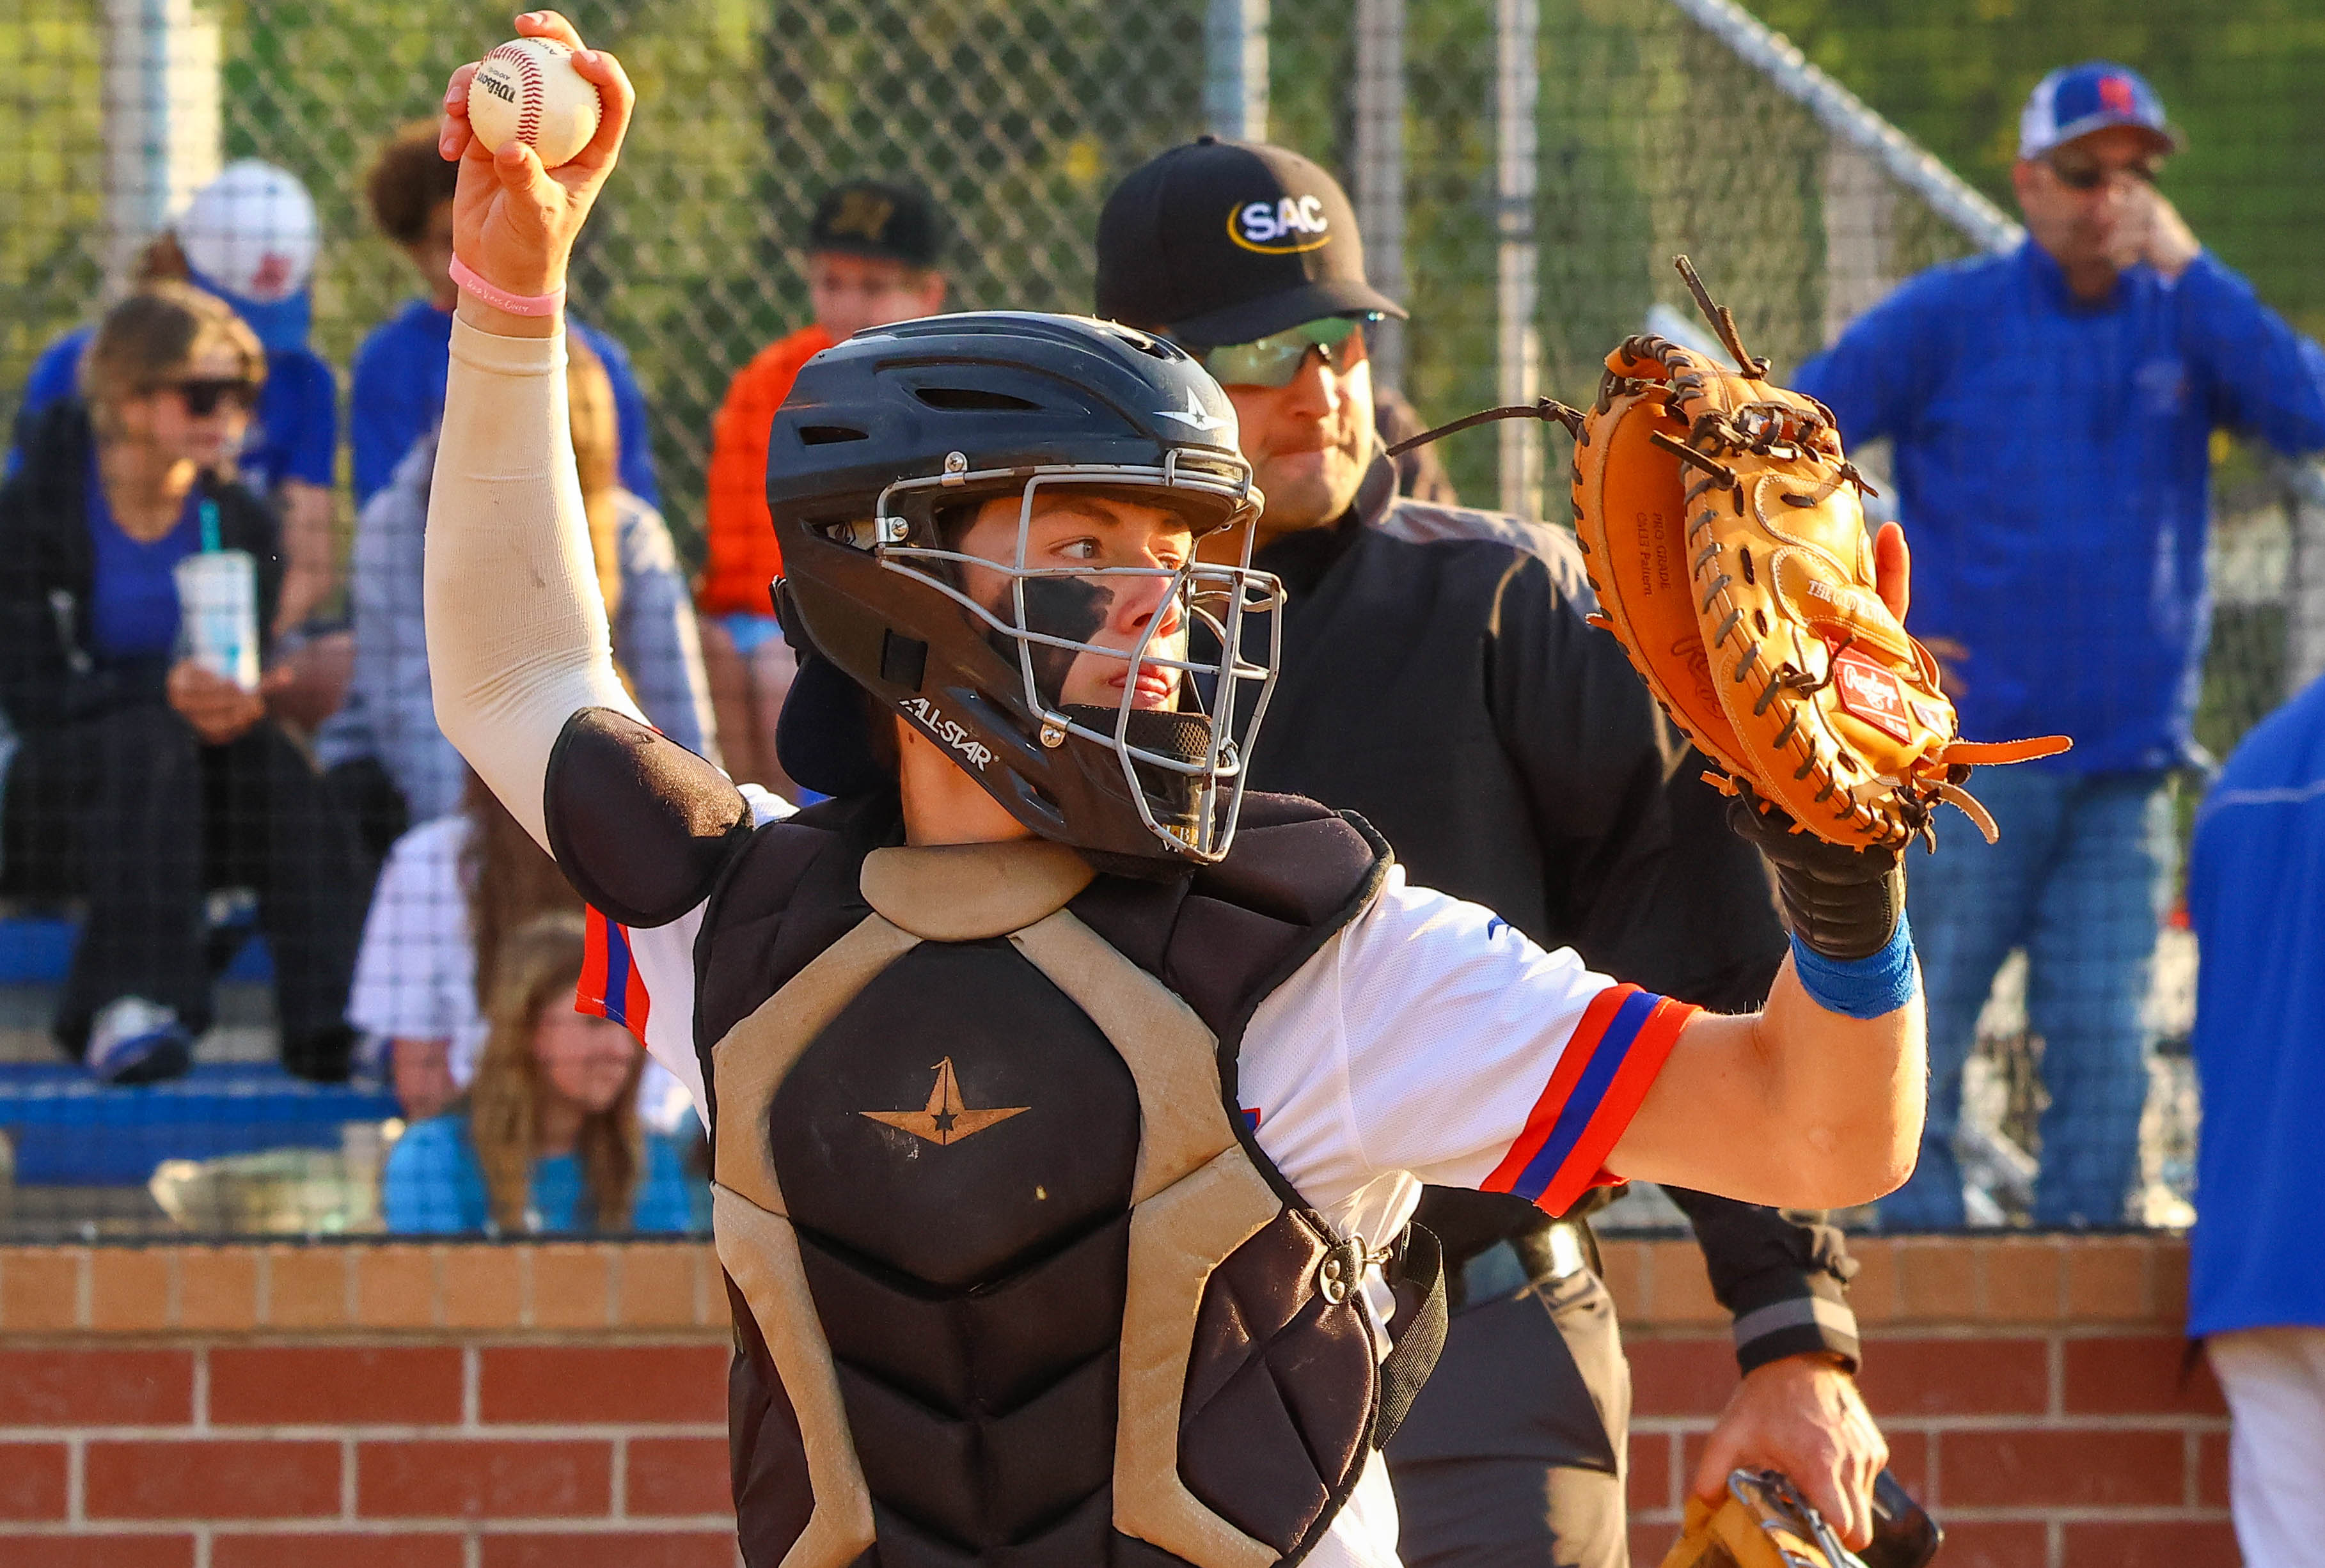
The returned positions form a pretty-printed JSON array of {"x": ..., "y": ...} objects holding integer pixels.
[
  {"x": 68, "y": 1130},
  {"x": 34, "y": 950}
]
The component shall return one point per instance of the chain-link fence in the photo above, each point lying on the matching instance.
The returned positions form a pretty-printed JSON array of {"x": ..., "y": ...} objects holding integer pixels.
[{"x": 1524, "y": 170}]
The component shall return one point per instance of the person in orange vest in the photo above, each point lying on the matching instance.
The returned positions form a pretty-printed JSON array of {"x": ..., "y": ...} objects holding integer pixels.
[{"x": 871, "y": 260}]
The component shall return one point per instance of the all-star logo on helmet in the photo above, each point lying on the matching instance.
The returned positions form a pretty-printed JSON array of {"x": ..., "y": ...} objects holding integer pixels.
[
  {"x": 887, "y": 443},
  {"x": 1194, "y": 416}
]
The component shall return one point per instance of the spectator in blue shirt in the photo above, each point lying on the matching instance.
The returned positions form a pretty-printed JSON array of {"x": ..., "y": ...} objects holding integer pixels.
[
  {"x": 548, "y": 1138},
  {"x": 249, "y": 238},
  {"x": 2052, "y": 411},
  {"x": 400, "y": 368},
  {"x": 146, "y": 778},
  {"x": 2256, "y": 1278}
]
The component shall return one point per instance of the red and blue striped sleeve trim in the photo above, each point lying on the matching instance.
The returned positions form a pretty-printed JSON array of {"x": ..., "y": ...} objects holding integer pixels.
[
  {"x": 611, "y": 986},
  {"x": 1601, "y": 1079}
]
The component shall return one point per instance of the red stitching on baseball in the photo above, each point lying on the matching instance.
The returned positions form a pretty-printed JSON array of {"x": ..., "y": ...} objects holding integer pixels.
[
  {"x": 532, "y": 91},
  {"x": 536, "y": 95}
]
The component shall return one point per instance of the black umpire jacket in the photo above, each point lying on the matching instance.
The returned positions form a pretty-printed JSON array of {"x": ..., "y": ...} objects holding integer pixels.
[{"x": 1438, "y": 677}]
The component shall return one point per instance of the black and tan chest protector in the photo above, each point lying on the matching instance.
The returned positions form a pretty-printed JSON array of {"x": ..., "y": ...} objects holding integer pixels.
[{"x": 1012, "y": 1284}]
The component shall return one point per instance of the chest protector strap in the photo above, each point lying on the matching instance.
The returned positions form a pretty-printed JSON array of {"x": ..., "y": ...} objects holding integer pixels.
[{"x": 1197, "y": 1195}]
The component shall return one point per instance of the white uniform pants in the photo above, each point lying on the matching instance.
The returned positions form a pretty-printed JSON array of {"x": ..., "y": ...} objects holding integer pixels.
[{"x": 2274, "y": 1379}]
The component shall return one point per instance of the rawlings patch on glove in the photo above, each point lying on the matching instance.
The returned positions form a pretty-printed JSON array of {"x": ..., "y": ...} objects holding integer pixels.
[{"x": 1725, "y": 536}]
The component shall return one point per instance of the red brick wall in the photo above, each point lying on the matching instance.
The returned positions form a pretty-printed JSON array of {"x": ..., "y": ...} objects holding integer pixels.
[
  {"x": 477, "y": 1406},
  {"x": 2031, "y": 1389},
  {"x": 250, "y": 1456},
  {"x": 362, "y": 1407}
]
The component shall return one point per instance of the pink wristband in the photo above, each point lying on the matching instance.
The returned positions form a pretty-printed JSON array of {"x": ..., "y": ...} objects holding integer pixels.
[{"x": 465, "y": 277}]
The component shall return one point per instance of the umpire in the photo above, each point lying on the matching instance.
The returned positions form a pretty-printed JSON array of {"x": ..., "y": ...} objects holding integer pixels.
[{"x": 1438, "y": 677}]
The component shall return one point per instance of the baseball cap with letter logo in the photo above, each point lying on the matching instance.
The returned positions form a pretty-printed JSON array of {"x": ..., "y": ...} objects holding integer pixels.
[
  {"x": 1229, "y": 242},
  {"x": 2075, "y": 100}
]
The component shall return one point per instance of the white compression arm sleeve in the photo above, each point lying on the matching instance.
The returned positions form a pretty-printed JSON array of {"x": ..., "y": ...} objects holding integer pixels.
[{"x": 517, "y": 640}]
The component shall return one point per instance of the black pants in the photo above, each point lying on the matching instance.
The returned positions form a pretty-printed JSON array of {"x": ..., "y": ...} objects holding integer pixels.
[
  {"x": 1513, "y": 1456},
  {"x": 131, "y": 813}
]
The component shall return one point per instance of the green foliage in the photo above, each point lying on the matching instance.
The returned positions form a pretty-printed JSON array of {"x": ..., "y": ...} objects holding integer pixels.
[
  {"x": 2238, "y": 76},
  {"x": 1020, "y": 117},
  {"x": 1653, "y": 139},
  {"x": 49, "y": 120}
]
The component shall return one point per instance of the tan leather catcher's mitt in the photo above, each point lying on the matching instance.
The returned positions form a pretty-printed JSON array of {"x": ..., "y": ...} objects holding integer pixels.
[
  {"x": 1763, "y": 1522},
  {"x": 1725, "y": 536}
]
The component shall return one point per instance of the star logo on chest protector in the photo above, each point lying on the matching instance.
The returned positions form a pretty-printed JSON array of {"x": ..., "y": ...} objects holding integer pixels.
[{"x": 947, "y": 1119}]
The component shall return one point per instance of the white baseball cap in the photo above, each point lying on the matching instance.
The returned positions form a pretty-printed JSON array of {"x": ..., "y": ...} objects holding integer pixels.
[{"x": 250, "y": 236}]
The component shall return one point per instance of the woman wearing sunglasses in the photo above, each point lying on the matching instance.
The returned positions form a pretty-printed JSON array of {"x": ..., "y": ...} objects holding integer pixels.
[{"x": 142, "y": 780}]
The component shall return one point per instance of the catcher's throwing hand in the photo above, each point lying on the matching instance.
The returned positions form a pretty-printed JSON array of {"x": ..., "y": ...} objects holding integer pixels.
[
  {"x": 513, "y": 222},
  {"x": 1801, "y": 1416}
]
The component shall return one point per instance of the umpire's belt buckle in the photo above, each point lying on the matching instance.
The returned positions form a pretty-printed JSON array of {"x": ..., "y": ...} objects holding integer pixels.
[
  {"x": 1567, "y": 1258},
  {"x": 1504, "y": 1271}
]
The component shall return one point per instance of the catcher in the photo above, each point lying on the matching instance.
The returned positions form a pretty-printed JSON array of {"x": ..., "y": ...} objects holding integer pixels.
[{"x": 1068, "y": 1104}]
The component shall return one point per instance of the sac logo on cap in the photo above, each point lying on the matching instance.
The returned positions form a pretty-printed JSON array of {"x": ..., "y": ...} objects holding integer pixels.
[
  {"x": 1284, "y": 227},
  {"x": 2117, "y": 95}
]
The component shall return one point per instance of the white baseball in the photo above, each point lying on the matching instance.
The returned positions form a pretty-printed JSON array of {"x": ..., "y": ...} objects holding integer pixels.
[{"x": 527, "y": 90}]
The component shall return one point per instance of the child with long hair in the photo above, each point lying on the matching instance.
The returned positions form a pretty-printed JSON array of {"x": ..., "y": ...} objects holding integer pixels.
[
  {"x": 453, "y": 883},
  {"x": 548, "y": 1138}
]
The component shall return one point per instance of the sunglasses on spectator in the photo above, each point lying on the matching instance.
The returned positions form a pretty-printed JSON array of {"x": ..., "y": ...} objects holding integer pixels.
[
  {"x": 2088, "y": 174},
  {"x": 203, "y": 394},
  {"x": 1275, "y": 361}
]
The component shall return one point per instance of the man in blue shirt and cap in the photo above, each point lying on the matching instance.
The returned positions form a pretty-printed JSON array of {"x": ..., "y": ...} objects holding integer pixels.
[{"x": 2052, "y": 410}]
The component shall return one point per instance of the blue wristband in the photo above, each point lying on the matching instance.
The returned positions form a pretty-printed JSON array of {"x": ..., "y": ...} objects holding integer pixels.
[{"x": 1864, "y": 988}]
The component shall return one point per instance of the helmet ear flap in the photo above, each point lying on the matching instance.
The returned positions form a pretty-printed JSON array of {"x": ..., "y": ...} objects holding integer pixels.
[
  {"x": 793, "y": 623},
  {"x": 832, "y": 736}
]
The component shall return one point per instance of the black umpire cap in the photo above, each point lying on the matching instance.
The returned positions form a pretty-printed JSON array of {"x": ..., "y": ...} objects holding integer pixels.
[
  {"x": 873, "y": 217},
  {"x": 1227, "y": 241}
]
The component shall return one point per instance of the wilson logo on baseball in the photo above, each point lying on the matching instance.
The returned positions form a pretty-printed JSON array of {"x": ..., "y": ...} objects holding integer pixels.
[
  {"x": 1280, "y": 229},
  {"x": 527, "y": 91}
]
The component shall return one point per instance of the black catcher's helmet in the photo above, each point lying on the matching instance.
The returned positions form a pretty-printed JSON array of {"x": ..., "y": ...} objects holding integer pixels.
[{"x": 887, "y": 443}]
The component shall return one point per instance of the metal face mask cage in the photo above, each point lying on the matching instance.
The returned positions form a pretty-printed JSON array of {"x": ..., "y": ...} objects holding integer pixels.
[{"x": 1189, "y": 800}]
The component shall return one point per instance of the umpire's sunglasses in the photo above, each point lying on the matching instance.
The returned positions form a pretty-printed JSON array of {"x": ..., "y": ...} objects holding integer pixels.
[
  {"x": 203, "y": 394},
  {"x": 2080, "y": 171},
  {"x": 1275, "y": 361}
]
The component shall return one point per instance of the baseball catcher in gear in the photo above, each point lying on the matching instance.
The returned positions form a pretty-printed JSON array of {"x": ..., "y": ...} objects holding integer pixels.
[
  {"x": 1726, "y": 541},
  {"x": 870, "y": 478}
]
